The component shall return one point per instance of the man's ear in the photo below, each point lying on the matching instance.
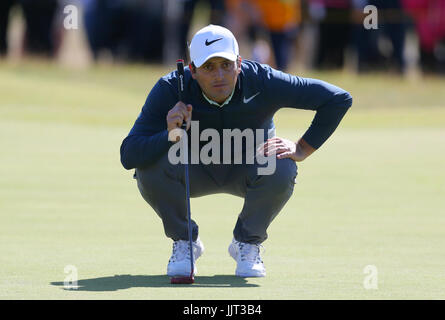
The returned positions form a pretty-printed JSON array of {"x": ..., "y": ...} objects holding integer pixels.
[{"x": 238, "y": 63}]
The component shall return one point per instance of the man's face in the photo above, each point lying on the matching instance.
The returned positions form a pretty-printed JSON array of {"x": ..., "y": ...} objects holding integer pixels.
[{"x": 217, "y": 78}]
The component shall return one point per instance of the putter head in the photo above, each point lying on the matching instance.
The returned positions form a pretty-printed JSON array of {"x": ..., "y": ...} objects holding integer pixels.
[{"x": 182, "y": 280}]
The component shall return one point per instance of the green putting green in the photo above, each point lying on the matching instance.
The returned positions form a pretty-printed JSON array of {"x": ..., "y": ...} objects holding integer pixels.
[{"x": 373, "y": 195}]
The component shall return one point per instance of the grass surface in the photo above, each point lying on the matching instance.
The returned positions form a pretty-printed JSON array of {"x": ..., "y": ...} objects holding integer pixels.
[{"x": 372, "y": 195}]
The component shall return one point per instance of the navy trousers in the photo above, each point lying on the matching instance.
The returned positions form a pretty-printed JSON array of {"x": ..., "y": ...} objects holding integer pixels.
[{"x": 162, "y": 185}]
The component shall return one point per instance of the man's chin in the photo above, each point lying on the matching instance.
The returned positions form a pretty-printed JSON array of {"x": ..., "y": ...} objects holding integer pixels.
[{"x": 220, "y": 98}]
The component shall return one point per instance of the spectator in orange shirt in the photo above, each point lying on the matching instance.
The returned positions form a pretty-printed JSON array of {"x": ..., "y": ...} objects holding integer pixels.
[{"x": 279, "y": 19}]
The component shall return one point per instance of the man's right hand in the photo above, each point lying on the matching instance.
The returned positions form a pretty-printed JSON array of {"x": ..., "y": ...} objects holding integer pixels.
[{"x": 177, "y": 115}]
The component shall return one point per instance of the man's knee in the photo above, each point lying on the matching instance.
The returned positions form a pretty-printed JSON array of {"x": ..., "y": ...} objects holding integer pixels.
[
  {"x": 283, "y": 178},
  {"x": 154, "y": 175}
]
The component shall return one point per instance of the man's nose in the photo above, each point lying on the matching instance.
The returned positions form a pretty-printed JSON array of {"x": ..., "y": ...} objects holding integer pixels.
[{"x": 219, "y": 73}]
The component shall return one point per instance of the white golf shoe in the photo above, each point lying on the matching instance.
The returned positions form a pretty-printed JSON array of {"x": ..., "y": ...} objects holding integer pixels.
[
  {"x": 248, "y": 259},
  {"x": 179, "y": 263}
]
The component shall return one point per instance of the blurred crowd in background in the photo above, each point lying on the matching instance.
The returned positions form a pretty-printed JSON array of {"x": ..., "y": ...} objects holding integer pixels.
[{"x": 326, "y": 34}]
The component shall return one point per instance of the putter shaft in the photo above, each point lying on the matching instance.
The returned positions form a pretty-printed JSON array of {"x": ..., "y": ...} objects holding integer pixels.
[{"x": 180, "y": 68}]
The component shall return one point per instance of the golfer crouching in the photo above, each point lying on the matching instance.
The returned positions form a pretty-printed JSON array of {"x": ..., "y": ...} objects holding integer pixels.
[{"x": 229, "y": 104}]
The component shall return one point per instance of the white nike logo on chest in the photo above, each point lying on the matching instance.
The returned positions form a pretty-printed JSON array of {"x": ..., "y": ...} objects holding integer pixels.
[{"x": 248, "y": 100}]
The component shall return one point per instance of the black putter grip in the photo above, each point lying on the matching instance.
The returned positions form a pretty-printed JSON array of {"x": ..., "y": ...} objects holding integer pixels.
[{"x": 180, "y": 68}]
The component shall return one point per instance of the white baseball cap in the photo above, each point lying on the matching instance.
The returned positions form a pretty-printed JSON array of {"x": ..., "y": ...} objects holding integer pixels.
[{"x": 213, "y": 41}]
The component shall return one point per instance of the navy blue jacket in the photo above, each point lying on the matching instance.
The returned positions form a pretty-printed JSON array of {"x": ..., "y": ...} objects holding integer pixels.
[{"x": 148, "y": 139}]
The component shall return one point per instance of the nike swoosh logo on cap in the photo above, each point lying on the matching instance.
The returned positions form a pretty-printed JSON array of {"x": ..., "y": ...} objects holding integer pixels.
[
  {"x": 208, "y": 43},
  {"x": 248, "y": 100}
]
